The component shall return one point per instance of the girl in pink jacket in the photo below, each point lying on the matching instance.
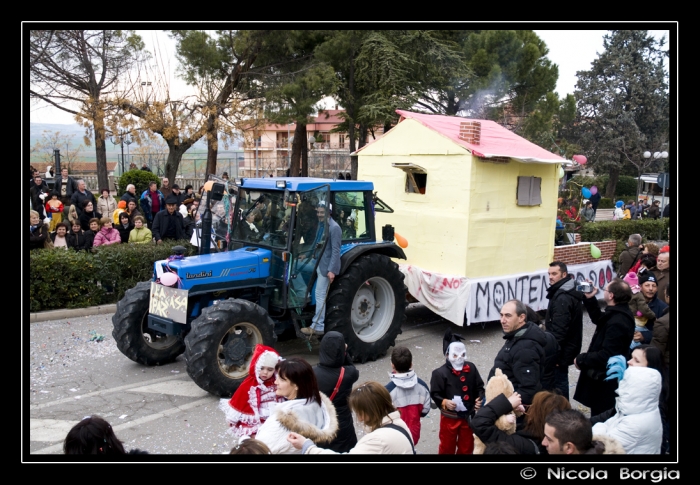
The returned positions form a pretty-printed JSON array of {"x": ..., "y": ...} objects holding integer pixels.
[{"x": 107, "y": 234}]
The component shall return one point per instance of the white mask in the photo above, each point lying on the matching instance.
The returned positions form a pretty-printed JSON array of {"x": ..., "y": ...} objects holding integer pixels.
[{"x": 457, "y": 354}]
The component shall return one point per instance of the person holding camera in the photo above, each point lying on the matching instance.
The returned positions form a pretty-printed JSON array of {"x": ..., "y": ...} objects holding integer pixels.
[
  {"x": 564, "y": 319},
  {"x": 612, "y": 336}
]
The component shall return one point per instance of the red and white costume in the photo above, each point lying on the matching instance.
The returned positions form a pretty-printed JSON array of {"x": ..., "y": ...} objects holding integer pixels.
[{"x": 252, "y": 402}]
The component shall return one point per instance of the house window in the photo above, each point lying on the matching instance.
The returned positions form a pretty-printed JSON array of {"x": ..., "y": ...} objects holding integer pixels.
[
  {"x": 341, "y": 141},
  {"x": 416, "y": 177},
  {"x": 529, "y": 190}
]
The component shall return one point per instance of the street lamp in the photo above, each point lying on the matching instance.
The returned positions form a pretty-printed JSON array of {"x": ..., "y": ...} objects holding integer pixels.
[
  {"x": 120, "y": 140},
  {"x": 657, "y": 155}
]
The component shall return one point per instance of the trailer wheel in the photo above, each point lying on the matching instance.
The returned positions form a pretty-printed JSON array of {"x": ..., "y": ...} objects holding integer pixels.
[
  {"x": 132, "y": 335},
  {"x": 367, "y": 305},
  {"x": 219, "y": 347}
]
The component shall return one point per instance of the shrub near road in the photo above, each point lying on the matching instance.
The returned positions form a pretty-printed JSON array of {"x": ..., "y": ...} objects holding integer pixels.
[{"x": 61, "y": 278}]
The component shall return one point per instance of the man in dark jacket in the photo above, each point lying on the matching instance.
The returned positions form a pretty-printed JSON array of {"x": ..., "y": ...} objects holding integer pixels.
[
  {"x": 168, "y": 224},
  {"x": 564, "y": 319},
  {"x": 522, "y": 356},
  {"x": 81, "y": 195},
  {"x": 612, "y": 336},
  {"x": 336, "y": 375},
  {"x": 39, "y": 193},
  {"x": 630, "y": 255}
]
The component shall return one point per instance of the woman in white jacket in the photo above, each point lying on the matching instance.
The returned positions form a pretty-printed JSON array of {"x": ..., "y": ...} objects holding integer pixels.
[
  {"x": 637, "y": 420},
  {"x": 306, "y": 411},
  {"x": 388, "y": 433}
]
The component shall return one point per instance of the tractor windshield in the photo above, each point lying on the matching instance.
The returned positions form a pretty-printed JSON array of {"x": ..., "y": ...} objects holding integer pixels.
[{"x": 262, "y": 218}]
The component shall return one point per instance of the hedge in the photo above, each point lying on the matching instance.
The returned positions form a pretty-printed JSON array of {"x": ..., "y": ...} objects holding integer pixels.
[
  {"x": 62, "y": 278},
  {"x": 650, "y": 230}
]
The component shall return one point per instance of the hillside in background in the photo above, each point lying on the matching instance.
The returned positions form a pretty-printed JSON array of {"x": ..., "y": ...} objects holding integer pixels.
[{"x": 88, "y": 154}]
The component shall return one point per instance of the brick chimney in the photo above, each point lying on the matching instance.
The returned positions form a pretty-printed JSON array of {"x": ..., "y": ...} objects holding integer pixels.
[{"x": 470, "y": 131}]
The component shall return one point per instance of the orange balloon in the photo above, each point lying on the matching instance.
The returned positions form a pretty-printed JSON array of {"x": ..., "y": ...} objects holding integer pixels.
[{"x": 401, "y": 240}]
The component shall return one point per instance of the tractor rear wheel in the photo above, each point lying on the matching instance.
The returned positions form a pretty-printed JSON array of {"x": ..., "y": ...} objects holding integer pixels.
[
  {"x": 367, "y": 305},
  {"x": 219, "y": 347},
  {"x": 132, "y": 335}
]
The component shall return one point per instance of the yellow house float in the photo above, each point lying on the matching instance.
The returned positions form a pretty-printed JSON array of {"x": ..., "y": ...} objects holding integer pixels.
[{"x": 477, "y": 205}]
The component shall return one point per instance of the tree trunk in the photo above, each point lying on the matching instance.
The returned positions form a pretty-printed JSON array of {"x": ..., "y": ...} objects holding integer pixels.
[
  {"x": 305, "y": 154},
  {"x": 174, "y": 158},
  {"x": 213, "y": 149},
  {"x": 612, "y": 183},
  {"x": 100, "y": 153},
  {"x": 297, "y": 149}
]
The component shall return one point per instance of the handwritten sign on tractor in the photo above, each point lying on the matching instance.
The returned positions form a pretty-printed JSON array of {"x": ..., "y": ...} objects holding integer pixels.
[{"x": 168, "y": 302}]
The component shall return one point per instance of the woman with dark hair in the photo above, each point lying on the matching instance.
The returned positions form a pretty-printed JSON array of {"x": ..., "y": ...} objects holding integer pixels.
[
  {"x": 527, "y": 441},
  {"x": 106, "y": 203},
  {"x": 124, "y": 227},
  {"x": 94, "y": 436},
  {"x": 88, "y": 213},
  {"x": 387, "y": 433},
  {"x": 76, "y": 238},
  {"x": 306, "y": 411},
  {"x": 133, "y": 210},
  {"x": 59, "y": 236}
]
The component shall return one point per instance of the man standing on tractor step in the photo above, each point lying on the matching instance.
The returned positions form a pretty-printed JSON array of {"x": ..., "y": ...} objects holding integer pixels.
[{"x": 328, "y": 267}]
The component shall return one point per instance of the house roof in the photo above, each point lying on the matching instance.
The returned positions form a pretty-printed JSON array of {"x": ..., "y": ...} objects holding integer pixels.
[{"x": 496, "y": 141}]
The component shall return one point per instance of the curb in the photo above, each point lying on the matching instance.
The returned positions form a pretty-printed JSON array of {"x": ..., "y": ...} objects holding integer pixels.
[{"x": 71, "y": 313}]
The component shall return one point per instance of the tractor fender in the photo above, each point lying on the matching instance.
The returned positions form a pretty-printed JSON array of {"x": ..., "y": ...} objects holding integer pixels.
[{"x": 386, "y": 248}]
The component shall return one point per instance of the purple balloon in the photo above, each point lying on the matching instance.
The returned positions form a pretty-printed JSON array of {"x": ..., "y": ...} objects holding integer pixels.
[{"x": 594, "y": 190}]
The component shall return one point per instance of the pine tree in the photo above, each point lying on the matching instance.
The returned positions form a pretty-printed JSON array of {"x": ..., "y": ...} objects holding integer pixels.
[{"x": 623, "y": 104}]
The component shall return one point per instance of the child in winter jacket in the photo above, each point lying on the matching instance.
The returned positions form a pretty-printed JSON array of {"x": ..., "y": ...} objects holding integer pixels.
[
  {"x": 410, "y": 395},
  {"x": 641, "y": 311},
  {"x": 251, "y": 404}
]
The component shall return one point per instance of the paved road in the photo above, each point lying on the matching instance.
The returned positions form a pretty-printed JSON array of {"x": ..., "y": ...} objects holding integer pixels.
[{"x": 75, "y": 370}]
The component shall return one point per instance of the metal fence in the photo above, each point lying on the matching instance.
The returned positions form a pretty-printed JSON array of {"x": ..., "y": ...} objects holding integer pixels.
[{"x": 322, "y": 163}]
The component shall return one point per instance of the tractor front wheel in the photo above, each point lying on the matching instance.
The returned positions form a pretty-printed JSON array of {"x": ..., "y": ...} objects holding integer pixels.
[
  {"x": 219, "y": 347},
  {"x": 132, "y": 335}
]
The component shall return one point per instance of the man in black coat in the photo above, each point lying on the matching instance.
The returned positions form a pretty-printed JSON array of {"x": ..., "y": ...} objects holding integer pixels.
[
  {"x": 564, "y": 319},
  {"x": 168, "y": 224},
  {"x": 334, "y": 359},
  {"x": 612, "y": 336},
  {"x": 39, "y": 193},
  {"x": 81, "y": 195},
  {"x": 522, "y": 356}
]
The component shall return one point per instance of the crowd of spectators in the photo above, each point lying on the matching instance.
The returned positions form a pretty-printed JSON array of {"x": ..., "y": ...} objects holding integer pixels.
[{"x": 72, "y": 214}]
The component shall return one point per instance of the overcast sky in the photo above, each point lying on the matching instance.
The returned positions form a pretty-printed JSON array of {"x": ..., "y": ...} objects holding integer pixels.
[{"x": 571, "y": 50}]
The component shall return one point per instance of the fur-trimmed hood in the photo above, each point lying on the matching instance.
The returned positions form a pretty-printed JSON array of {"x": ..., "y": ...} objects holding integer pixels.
[
  {"x": 605, "y": 445},
  {"x": 303, "y": 418}
]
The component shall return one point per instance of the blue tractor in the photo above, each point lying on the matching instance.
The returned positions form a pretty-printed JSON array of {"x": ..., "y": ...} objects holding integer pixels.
[{"x": 254, "y": 276}]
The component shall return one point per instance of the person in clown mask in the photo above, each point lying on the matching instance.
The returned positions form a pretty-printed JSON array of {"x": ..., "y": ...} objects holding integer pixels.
[
  {"x": 457, "y": 389},
  {"x": 252, "y": 402}
]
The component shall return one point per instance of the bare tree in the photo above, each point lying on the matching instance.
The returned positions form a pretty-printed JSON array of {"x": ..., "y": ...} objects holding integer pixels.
[
  {"x": 51, "y": 141},
  {"x": 75, "y": 70}
]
